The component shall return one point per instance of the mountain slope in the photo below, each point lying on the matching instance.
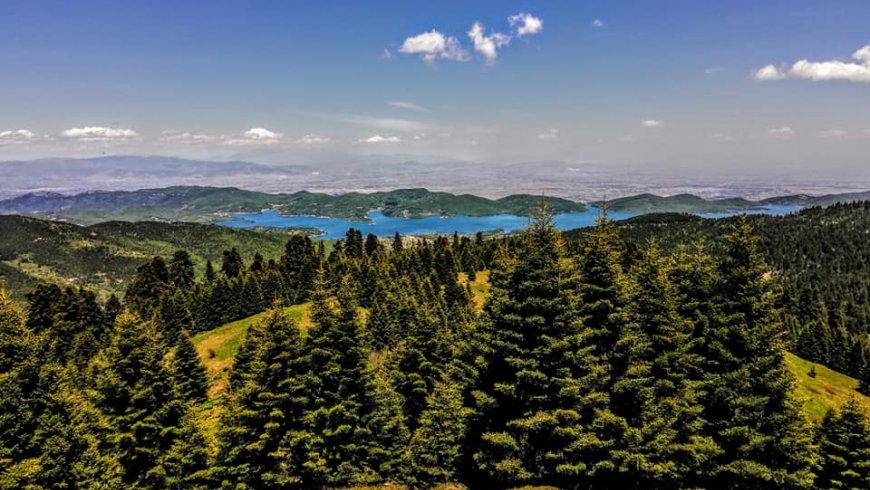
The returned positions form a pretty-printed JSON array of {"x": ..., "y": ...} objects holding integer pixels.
[{"x": 104, "y": 257}]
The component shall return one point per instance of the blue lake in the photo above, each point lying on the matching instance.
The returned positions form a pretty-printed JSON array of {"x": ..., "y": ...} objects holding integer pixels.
[{"x": 382, "y": 225}]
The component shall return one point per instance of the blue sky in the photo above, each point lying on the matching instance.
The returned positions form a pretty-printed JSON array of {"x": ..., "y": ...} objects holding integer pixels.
[{"x": 671, "y": 83}]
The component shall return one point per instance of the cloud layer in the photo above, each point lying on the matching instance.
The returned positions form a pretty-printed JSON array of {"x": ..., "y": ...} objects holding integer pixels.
[
  {"x": 17, "y": 136},
  {"x": 99, "y": 133},
  {"x": 857, "y": 71},
  {"x": 380, "y": 139}
]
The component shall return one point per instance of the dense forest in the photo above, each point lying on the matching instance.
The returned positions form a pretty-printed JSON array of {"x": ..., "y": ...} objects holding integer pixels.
[
  {"x": 819, "y": 260},
  {"x": 596, "y": 360}
]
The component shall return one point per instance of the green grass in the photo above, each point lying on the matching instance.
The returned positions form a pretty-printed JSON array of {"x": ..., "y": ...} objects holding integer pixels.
[{"x": 829, "y": 389}]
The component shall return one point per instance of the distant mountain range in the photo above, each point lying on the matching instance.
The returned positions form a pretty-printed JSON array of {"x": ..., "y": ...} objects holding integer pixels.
[
  {"x": 205, "y": 204},
  {"x": 208, "y": 204}
]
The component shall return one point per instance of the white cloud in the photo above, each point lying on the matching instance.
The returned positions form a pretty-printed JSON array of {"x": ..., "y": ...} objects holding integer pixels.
[
  {"x": 312, "y": 139},
  {"x": 487, "y": 45},
  {"x": 186, "y": 137},
  {"x": 99, "y": 133},
  {"x": 713, "y": 70},
  {"x": 548, "y": 134},
  {"x": 17, "y": 136},
  {"x": 255, "y": 136},
  {"x": 783, "y": 132},
  {"x": 408, "y": 105},
  {"x": 386, "y": 54},
  {"x": 832, "y": 133},
  {"x": 262, "y": 134},
  {"x": 433, "y": 46},
  {"x": 857, "y": 71},
  {"x": 651, "y": 123},
  {"x": 769, "y": 72},
  {"x": 526, "y": 24},
  {"x": 380, "y": 139},
  {"x": 597, "y": 23},
  {"x": 382, "y": 123}
]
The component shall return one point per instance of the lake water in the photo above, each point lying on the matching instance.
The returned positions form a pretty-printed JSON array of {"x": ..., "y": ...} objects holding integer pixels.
[{"x": 382, "y": 225}]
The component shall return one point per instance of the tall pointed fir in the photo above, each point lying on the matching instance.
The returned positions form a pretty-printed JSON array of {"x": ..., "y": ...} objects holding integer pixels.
[
  {"x": 749, "y": 408},
  {"x": 541, "y": 392},
  {"x": 338, "y": 438},
  {"x": 844, "y": 447},
  {"x": 134, "y": 390},
  {"x": 653, "y": 390},
  {"x": 266, "y": 401},
  {"x": 190, "y": 375}
]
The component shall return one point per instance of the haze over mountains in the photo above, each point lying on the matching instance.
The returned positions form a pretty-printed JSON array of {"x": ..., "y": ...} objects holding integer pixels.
[{"x": 585, "y": 181}]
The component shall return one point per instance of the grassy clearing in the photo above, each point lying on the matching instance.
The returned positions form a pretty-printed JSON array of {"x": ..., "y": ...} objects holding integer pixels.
[
  {"x": 829, "y": 389},
  {"x": 216, "y": 348},
  {"x": 479, "y": 287}
]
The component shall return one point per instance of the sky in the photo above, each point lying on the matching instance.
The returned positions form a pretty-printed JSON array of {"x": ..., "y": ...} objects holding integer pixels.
[{"x": 732, "y": 85}]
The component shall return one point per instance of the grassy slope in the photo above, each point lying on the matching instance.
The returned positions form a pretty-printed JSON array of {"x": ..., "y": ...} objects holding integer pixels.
[{"x": 829, "y": 389}]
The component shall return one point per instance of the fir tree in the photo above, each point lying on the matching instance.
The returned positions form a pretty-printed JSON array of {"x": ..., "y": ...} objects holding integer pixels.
[
  {"x": 181, "y": 272},
  {"x": 397, "y": 242},
  {"x": 190, "y": 375},
  {"x": 748, "y": 405},
  {"x": 210, "y": 275},
  {"x": 135, "y": 391},
  {"x": 172, "y": 316},
  {"x": 844, "y": 444},
  {"x": 541, "y": 395},
  {"x": 653, "y": 391},
  {"x": 436, "y": 448},
  {"x": 266, "y": 403},
  {"x": 338, "y": 441},
  {"x": 232, "y": 265}
]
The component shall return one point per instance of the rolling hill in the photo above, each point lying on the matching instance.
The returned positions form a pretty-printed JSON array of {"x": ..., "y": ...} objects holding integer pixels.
[
  {"x": 105, "y": 256},
  {"x": 203, "y": 204}
]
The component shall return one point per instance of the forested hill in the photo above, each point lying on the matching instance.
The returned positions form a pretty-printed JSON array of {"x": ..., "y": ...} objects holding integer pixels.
[
  {"x": 104, "y": 257},
  {"x": 819, "y": 257},
  {"x": 210, "y": 203}
]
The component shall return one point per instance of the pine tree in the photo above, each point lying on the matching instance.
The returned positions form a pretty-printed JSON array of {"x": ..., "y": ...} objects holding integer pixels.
[
  {"x": 266, "y": 404},
  {"x": 146, "y": 288},
  {"x": 186, "y": 462},
  {"x": 232, "y": 265},
  {"x": 373, "y": 245},
  {"x": 299, "y": 265},
  {"x": 748, "y": 405},
  {"x": 653, "y": 391},
  {"x": 397, "y": 242},
  {"x": 190, "y": 375},
  {"x": 338, "y": 441},
  {"x": 436, "y": 448},
  {"x": 172, "y": 316},
  {"x": 134, "y": 390},
  {"x": 210, "y": 275},
  {"x": 844, "y": 444},
  {"x": 541, "y": 396},
  {"x": 181, "y": 272}
]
